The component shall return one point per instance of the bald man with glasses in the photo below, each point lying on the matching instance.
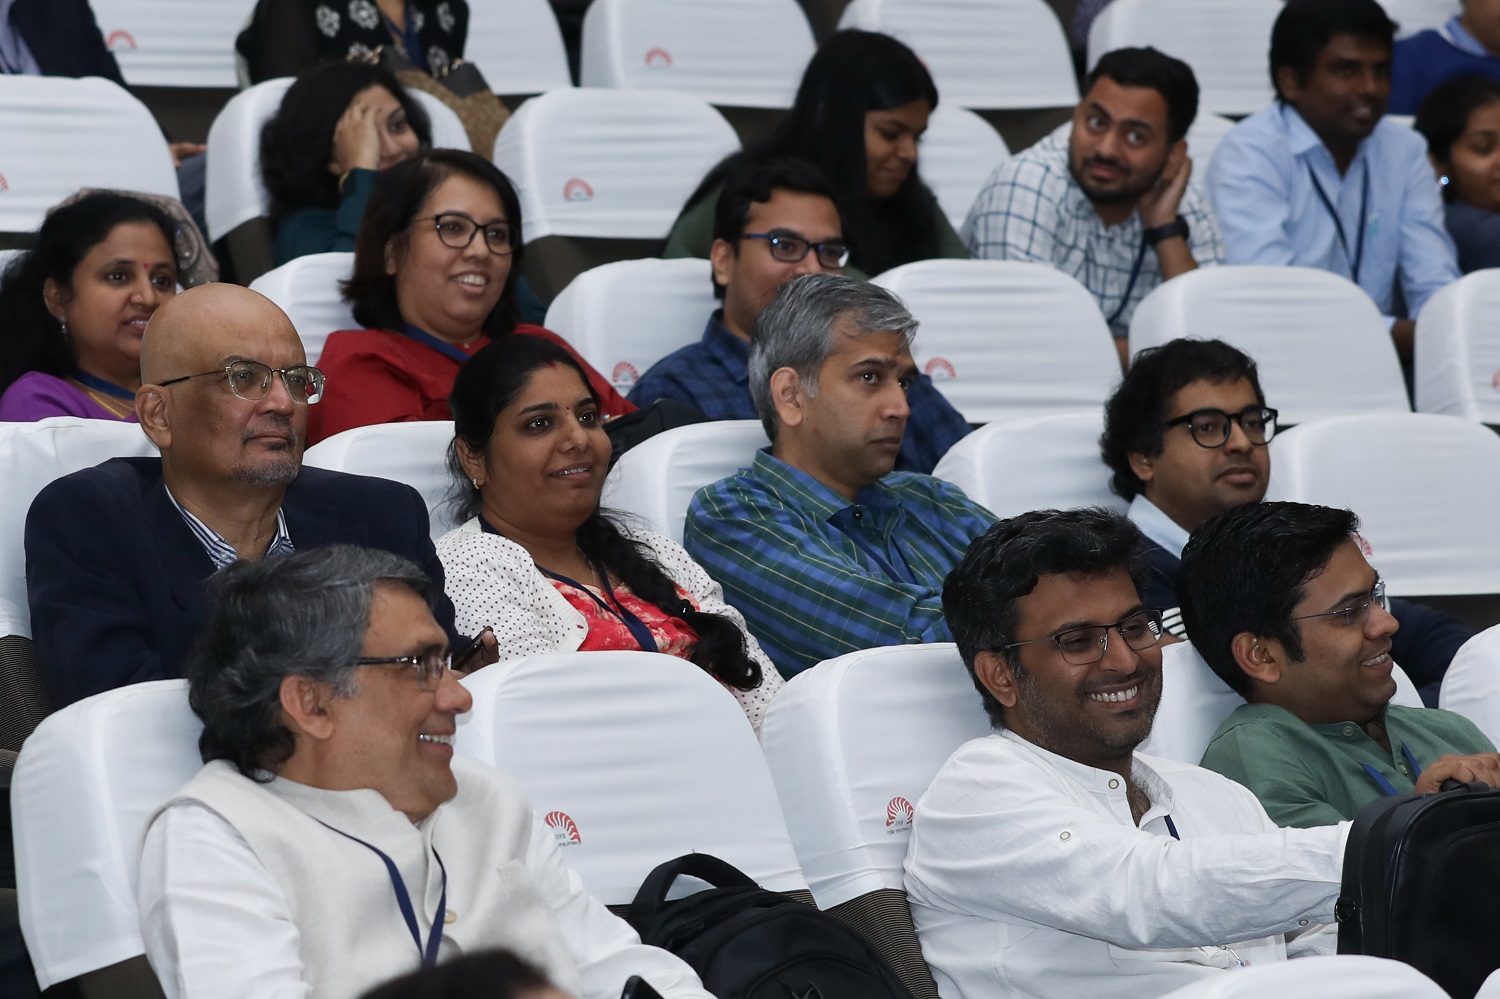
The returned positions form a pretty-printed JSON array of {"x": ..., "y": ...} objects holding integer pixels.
[{"x": 117, "y": 555}]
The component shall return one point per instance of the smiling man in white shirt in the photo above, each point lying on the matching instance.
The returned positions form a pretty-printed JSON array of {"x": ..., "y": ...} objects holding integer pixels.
[{"x": 1049, "y": 860}]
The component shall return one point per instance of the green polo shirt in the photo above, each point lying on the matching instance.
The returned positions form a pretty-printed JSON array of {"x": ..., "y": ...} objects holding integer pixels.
[{"x": 1311, "y": 775}]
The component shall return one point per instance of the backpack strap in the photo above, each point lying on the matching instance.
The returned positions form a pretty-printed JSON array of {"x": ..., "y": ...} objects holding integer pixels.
[{"x": 703, "y": 866}]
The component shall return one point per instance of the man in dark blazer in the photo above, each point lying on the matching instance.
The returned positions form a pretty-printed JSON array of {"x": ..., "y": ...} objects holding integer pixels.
[
  {"x": 117, "y": 556},
  {"x": 63, "y": 38}
]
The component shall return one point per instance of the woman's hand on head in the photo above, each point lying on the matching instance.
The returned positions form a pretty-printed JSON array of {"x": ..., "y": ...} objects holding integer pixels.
[{"x": 356, "y": 140}]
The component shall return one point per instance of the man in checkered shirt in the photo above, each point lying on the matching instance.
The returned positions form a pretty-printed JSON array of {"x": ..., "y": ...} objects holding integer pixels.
[{"x": 1105, "y": 198}]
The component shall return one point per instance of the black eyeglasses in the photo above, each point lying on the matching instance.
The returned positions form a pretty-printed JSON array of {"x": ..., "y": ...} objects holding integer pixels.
[
  {"x": 1210, "y": 427},
  {"x": 1087, "y": 645},
  {"x": 791, "y": 249},
  {"x": 1356, "y": 611},
  {"x": 430, "y": 666},
  {"x": 456, "y": 230},
  {"x": 251, "y": 380}
]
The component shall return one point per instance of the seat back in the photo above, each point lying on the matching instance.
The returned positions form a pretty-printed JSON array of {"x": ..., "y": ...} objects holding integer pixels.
[
  {"x": 1458, "y": 355},
  {"x": 1204, "y": 135},
  {"x": 1004, "y": 339},
  {"x": 518, "y": 47},
  {"x": 1318, "y": 339},
  {"x": 1037, "y": 463},
  {"x": 1471, "y": 686},
  {"x": 959, "y": 152},
  {"x": 61, "y": 134},
  {"x": 85, "y": 784},
  {"x": 1423, "y": 487},
  {"x": 1327, "y": 976},
  {"x": 1224, "y": 43},
  {"x": 415, "y": 453},
  {"x": 656, "y": 479},
  {"x": 1412, "y": 16},
  {"x": 740, "y": 53},
  {"x": 632, "y": 758},
  {"x": 173, "y": 43},
  {"x": 307, "y": 289},
  {"x": 625, "y": 316}
]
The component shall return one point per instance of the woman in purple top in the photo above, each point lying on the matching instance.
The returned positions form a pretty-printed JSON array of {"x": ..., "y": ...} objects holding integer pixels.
[{"x": 73, "y": 309}]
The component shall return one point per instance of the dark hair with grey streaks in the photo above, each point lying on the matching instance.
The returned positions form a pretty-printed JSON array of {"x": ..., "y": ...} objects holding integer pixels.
[
  {"x": 299, "y": 615},
  {"x": 797, "y": 331}
]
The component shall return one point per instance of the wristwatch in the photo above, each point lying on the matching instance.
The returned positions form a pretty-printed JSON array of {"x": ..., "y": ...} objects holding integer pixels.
[{"x": 1176, "y": 227}]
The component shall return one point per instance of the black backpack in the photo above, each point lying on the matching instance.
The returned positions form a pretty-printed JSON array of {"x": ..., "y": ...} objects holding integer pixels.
[
  {"x": 1422, "y": 884},
  {"x": 749, "y": 943}
]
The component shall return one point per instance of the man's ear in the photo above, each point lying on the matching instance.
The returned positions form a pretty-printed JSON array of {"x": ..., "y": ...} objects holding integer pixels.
[
  {"x": 995, "y": 673},
  {"x": 787, "y": 396},
  {"x": 1144, "y": 466},
  {"x": 721, "y": 258},
  {"x": 1260, "y": 658},
  {"x": 1176, "y": 156},
  {"x": 1288, "y": 84},
  {"x": 306, "y": 705},
  {"x": 151, "y": 411}
]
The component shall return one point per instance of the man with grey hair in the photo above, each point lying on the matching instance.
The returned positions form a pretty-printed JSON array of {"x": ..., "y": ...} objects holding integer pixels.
[
  {"x": 332, "y": 840},
  {"x": 818, "y": 543}
]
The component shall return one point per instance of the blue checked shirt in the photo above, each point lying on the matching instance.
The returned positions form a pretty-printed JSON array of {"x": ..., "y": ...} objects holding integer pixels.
[
  {"x": 219, "y": 551},
  {"x": 711, "y": 376},
  {"x": 817, "y": 576},
  {"x": 1032, "y": 209}
]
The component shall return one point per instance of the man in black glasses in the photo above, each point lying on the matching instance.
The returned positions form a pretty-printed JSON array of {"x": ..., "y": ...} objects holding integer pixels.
[
  {"x": 1280, "y": 602},
  {"x": 1050, "y": 859},
  {"x": 117, "y": 554},
  {"x": 774, "y": 222}
]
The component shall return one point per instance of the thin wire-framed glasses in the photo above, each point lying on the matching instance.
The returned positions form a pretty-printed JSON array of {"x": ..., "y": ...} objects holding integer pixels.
[
  {"x": 251, "y": 380},
  {"x": 1356, "y": 611},
  {"x": 430, "y": 666},
  {"x": 791, "y": 249},
  {"x": 456, "y": 231},
  {"x": 1087, "y": 645},
  {"x": 1210, "y": 427}
]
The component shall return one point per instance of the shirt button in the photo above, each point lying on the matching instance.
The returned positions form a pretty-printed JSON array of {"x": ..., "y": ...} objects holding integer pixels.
[
  {"x": 1301, "y": 922},
  {"x": 1065, "y": 836},
  {"x": 1114, "y": 783},
  {"x": 450, "y": 917},
  {"x": 1348, "y": 729}
]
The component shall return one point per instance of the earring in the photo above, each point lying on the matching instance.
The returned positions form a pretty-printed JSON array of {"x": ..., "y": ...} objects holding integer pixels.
[
  {"x": 476, "y": 483},
  {"x": 1443, "y": 181},
  {"x": 66, "y": 333}
]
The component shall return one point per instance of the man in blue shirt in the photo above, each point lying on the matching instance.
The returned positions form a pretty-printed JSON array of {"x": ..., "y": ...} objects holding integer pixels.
[
  {"x": 1468, "y": 43},
  {"x": 821, "y": 546},
  {"x": 1319, "y": 180},
  {"x": 774, "y": 221}
]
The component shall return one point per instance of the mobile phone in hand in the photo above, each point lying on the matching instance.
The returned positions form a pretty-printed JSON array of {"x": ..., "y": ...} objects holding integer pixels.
[{"x": 638, "y": 988}]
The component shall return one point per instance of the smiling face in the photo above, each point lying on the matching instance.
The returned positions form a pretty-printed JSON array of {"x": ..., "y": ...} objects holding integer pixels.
[
  {"x": 747, "y": 270},
  {"x": 1345, "y": 94},
  {"x": 446, "y": 291},
  {"x": 1473, "y": 166},
  {"x": 891, "y": 138},
  {"x": 1118, "y": 146}
]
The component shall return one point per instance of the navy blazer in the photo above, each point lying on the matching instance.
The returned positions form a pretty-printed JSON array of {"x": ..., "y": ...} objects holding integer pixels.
[
  {"x": 115, "y": 576},
  {"x": 64, "y": 38}
]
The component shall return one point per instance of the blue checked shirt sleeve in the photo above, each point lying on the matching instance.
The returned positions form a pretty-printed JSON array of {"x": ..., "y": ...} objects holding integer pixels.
[
  {"x": 933, "y": 428},
  {"x": 1015, "y": 216}
]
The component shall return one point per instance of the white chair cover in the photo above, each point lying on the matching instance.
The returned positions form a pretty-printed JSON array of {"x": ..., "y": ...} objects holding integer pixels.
[
  {"x": 32, "y": 455},
  {"x": 1004, "y": 339},
  {"x": 1194, "y": 701},
  {"x": 741, "y": 53},
  {"x": 447, "y": 130},
  {"x": 1036, "y": 463},
  {"x": 981, "y": 53},
  {"x": 1329, "y": 976},
  {"x": 609, "y": 163},
  {"x": 1412, "y": 16},
  {"x": 233, "y": 193},
  {"x": 86, "y": 782},
  {"x": 173, "y": 43},
  {"x": 656, "y": 479},
  {"x": 1319, "y": 341},
  {"x": 1225, "y": 44},
  {"x": 1424, "y": 488},
  {"x": 852, "y": 744},
  {"x": 1458, "y": 355},
  {"x": 1472, "y": 685},
  {"x": 517, "y": 45},
  {"x": 959, "y": 152},
  {"x": 307, "y": 289},
  {"x": 1491, "y": 987},
  {"x": 633, "y": 758},
  {"x": 415, "y": 453},
  {"x": 58, "y": 134},
  {"x": 626, "y": 316},
  {"x": 1204, "y": 136}
]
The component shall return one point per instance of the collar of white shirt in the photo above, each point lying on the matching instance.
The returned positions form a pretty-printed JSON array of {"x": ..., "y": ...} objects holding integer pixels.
[
  {"x": 1106, "y": 784},
  {"x": 1157, "y": 525}
]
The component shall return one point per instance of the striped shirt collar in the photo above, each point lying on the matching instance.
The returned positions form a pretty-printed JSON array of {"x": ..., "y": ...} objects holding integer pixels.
[
  {"x": 807, "y": 492},
  {"x": 219, "y": 551}
]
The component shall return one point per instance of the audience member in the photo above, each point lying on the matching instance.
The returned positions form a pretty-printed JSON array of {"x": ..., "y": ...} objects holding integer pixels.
[
  {"x": 1185, "y": 436},
  {"x": 540, "y": 563},
  {"x": 54, "y": 38},
  {"x": 1282, "y": 605},
  {"x": 1049, "y": 859},
  {"x": 1320, "y": 180},
  {"x": 859, "y": 113},
  {"x": 73, "y": 309},
  {"x": 821, "y": 546},
  {"x": 1461, "y": 121},
  {"x": 117, "y": 555},
  {"x": 1105, "y": 199},
  {"x": 435, "y": 271},
  {"x": 289, "y": 37},
  {"x": 331, "y": 840},
  {"x": 772, "y": 222},
  {"x": 495, "y": 974},
  {"x": 1468, "y": 43},
  {"x": 338, "y": 125}
]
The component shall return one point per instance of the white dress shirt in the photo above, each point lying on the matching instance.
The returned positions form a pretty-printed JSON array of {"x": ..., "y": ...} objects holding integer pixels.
[{"x": 1028, "y": 878}]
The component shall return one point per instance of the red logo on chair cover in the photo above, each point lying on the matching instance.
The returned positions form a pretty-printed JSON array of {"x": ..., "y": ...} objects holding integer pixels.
[
  {"x": 1364, "y": 545},
  {"x": 624, "y": 376},
  {"x": 563, "y": 828},
  {"x": 4, "y": 184},
  {"x": 898, "y": 814},
  {"x": 578, "y": 189},
  {"x": 121, "y": 39},
  {"x": 939, "y": 369},
  {"x": 1495, "y": 380},
  {"x": 659, "y": 59}
]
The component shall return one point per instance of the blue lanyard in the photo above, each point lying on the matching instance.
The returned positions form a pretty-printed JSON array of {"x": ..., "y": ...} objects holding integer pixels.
[
  {"x": 1358, "y": 255},
  {"x": 403, "y": 899},
  {"x": 409, "y": 38},
  {"x": 1135, "y": 272},
  {"x": 1381, "y": 780},
  {"x": 100, "y": 385},
  {"x": 1171, "y": 826},
  {"x": 441, "y": 346}
]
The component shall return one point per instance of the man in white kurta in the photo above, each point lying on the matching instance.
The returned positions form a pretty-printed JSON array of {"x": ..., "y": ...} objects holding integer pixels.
[{"x": 1050, "y": 860}]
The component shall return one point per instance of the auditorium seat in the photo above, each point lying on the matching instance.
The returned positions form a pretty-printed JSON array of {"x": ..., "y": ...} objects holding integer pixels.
[
  {"x": 1327, "y": 976},
  {"x": 414, "y": 452},
  {"x": 656, "y": 479},
  {"x": 307, "y": 289},
  {"x": 518, "y": 47},
  {"x": 1412, "y": 16},
  {"x": 1203, "y": 137},
  {"x": 959, "y": 152},
  {"x": 1471, "y": 686},
  {"x": 1457, "y": 352}
]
